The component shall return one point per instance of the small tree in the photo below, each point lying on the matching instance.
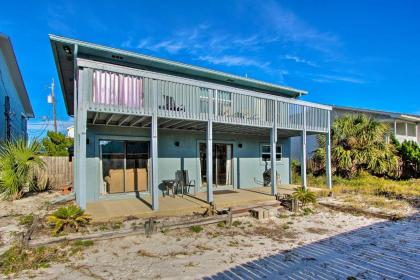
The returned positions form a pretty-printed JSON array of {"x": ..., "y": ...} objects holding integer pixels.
[
  {"x": 358, "y": 143},
  {"x": 56, "y": 144}
]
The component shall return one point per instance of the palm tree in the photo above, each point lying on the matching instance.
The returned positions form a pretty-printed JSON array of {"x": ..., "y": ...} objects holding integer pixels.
[
  {"x": 17, "y": 162},
  {"x": 358, "y": 143}
]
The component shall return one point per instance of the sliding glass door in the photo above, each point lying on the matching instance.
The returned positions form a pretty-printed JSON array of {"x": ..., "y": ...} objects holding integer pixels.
[
  {"x": 124, "y": 165},
  {"x": 222, "y": 164}
]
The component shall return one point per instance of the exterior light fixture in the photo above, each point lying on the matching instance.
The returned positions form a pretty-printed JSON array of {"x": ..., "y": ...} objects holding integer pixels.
[
  {"x": 176, "y": 143},
  {"x": 67, "y": 49}
]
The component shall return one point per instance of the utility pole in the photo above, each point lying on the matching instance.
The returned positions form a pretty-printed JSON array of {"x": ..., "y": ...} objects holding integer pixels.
[{"x": 51, "y": 99}]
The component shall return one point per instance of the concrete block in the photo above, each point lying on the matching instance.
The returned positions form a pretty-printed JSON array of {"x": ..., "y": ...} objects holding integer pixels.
[{"x": 258, "y": 213}]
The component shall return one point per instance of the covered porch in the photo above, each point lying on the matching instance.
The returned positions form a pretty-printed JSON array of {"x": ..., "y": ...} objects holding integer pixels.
[{"x": 104, "y": 210}]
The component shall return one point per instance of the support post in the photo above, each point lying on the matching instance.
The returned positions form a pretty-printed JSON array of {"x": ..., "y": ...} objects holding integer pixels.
[
  {"x": 273, "y": 151},
  {"x": 154, "y": 150},
  {"x": 80, "y": 156},
  {"x": 209, "y": 147},
  {"x": 303, "y": 163},
  {"x": 328, "y": 153}
]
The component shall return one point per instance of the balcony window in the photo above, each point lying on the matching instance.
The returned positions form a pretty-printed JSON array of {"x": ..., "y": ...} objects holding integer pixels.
[
  {"x": 411, "y": 129},
  {"x": 224, "y": 103},
  {"x": 400, "y": 128}
]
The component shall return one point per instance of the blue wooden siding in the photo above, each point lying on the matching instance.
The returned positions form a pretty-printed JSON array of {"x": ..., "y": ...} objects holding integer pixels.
[{"x": 7, "y": 87}]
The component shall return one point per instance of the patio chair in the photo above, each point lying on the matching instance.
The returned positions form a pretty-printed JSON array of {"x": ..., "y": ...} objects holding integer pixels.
[
  {"x": 170, "y": 105},
  {"x": 182, "y": 181}
]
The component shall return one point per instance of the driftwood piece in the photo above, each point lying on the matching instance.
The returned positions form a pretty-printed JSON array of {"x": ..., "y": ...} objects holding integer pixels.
[
  {"x": 27, "y": 235},
  {"x": 349, "y": 209},
  {"x": 132, "y": 231}
]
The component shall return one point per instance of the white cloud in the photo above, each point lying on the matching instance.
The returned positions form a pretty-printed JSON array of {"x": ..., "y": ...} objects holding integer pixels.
[
  {"x": 288, "y": 27},
  {"x": 300, "y": 60},
  {"x": 322, "y": 78},
  {"x": 230, "y": 60},
  {"x": 57, "y": 17}
]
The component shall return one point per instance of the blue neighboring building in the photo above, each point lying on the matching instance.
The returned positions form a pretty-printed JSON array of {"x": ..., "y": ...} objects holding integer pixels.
[{"x": 15, "y": 107}]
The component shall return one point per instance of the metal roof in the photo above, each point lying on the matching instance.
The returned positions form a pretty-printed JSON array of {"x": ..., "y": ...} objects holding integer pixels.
[
  {"x": 63, "y": 49},
  {"x": 11, "y": 62},
  {"x": 394, "y": 115}
]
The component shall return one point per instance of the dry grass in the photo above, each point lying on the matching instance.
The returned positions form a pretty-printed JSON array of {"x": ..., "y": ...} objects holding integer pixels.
[
  {"x": 18, "y": 258},
  {"x": 368, "y": 184},
  {"x": 383, "y": 195}
]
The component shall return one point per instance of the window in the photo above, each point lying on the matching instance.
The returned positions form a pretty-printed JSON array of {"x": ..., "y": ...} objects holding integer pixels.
[
  {"x": 400, "y": 128},
  {"x": 411, "y": 129},
  {"x": 266, "y": 152},
  {"x": 23, "y": 123},
  {"x": 224, "y": 103},
  {"x": 124, "y": 165}
]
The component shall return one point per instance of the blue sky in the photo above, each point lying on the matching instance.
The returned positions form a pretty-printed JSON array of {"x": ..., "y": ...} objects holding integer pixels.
[{"x": 355, "y": 53}]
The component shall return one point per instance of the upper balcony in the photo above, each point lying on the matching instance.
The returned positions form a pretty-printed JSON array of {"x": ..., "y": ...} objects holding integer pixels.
[{"x": 122, "y": 90}]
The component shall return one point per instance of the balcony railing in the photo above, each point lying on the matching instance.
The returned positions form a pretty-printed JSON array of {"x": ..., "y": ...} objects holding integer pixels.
[{"x": 131, "y": 91}]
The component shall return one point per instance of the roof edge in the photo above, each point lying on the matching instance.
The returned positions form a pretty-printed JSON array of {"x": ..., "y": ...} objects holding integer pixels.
[{"x": 17, "y": 78}]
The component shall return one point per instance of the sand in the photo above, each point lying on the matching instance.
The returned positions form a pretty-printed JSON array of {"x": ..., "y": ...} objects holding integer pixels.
[{"x": 183, "y": 254}]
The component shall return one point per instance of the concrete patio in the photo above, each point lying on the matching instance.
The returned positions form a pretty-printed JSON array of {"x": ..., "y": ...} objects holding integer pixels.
[{"x": 105, "y": 210}]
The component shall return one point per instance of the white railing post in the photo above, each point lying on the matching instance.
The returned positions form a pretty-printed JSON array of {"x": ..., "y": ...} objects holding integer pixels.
[
  {"x": 210, "y": 149},
  {"x": 328, "y": 153},
  {"x": 154, "y": 144},
  {"x": 303, "y": 163},
  {"x": 274, "y": 153}
]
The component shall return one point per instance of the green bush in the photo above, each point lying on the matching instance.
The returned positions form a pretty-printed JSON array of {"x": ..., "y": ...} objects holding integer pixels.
[
  {"x": 409, "y": 151},
  {"x": 196, "y": 229},
  {"x": 17, "y": 164},
  {"x": 358, "y": 144},
  {"x": 71, "y": 217},
  {"x": 304, "y": 196},
  {"x": 26, "y": 220}
]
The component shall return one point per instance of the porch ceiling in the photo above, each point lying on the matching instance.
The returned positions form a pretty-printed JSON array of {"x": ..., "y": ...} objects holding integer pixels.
[
  {"x": 123, "y": 120},
  {"x": 108, "y": 119}
]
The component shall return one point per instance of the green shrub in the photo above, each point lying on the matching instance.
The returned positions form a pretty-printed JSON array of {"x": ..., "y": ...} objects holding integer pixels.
[
  {"x": 358, "y": 144},
  {"x": 236, "y": 223},
  {"x": 71, "y": 217},
  {"x": 196, "y": 229},
  {"x": 304, "y": 196},
  {"x": 17, "y": 164},
  {"x": 307, "y": 211},
  {"x": 26, "y": 220},
  {"x": 409, "y": 151}
]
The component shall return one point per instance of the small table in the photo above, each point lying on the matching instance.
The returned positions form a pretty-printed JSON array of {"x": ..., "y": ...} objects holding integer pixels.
[{"x": 169, "y": 184}]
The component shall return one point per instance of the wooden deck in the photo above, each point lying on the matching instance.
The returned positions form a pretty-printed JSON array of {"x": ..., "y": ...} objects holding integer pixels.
[{"x": 105, "y": 210}]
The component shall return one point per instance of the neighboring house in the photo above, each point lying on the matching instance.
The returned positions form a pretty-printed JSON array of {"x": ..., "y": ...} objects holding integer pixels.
[
  {"x": 140, "y": 119},
  {"x": 15, "y": 107},
  {"x": 403, "y": 126},
  {"x": 70, "y": 131}
]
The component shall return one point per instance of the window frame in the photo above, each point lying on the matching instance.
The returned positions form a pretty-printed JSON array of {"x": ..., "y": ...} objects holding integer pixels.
[{"x": 278, "y": 159}]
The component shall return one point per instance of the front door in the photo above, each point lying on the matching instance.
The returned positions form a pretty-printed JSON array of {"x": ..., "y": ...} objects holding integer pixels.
[{"x": 222, "y": 164}]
